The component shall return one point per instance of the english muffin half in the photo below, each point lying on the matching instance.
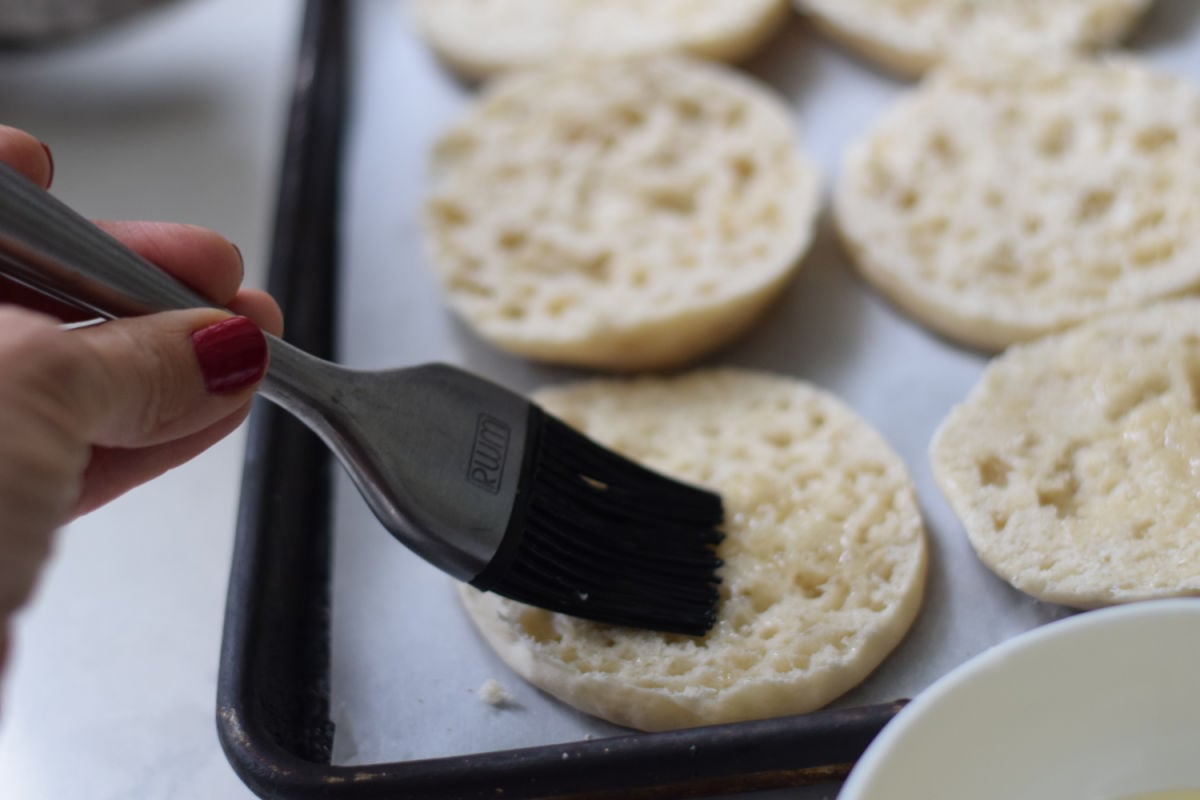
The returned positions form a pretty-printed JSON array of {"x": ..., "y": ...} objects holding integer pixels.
[
  {"x": 1074, "y": 464},
  {"x": 622, "y": 216},
  {"x": 482, "y": 38},
  {"x": 911, "y": 36},
  {"x": 824, "y": 555},
  {"x": 1005, "y": 199}
]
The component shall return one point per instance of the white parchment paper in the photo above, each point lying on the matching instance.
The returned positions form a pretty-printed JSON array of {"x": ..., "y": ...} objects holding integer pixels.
[{"x": 407, "y": 665}]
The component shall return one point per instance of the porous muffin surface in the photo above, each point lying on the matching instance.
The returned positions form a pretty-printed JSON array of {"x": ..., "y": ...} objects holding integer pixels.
[
  {"x": 824, "y": 555},
  {"x": 1074, "y": 463},
  {"x": 620, "y": 216},
  {"x": 1002, "y": 201}
]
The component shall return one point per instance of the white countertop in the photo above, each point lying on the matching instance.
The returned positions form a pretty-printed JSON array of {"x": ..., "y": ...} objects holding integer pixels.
[{"x": 111, "y": 691}]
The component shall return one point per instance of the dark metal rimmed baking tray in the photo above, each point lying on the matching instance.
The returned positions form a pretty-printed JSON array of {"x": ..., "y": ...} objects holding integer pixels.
[{"x": 273, "y": 711}]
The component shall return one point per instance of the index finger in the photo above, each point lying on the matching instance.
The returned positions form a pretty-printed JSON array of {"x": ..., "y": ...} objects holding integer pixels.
[{"x": 201, "y": 259}]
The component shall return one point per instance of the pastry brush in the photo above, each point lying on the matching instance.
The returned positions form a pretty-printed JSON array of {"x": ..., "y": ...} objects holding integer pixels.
[{"x": 474, "y": 478}]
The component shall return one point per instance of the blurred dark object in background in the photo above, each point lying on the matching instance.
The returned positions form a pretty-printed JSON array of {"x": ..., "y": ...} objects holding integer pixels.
[{"x": 42, "y": 23}]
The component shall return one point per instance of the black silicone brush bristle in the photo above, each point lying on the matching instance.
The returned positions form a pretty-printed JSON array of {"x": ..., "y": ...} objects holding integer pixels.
[{"x": 599, "y": 536}]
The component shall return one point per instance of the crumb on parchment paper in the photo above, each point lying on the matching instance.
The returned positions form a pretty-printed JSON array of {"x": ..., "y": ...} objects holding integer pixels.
[{"x": 492, "y": 693}]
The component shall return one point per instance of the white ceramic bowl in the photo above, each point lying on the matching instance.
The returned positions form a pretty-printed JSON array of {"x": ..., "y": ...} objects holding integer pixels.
[{"x": 1099, "y": 706}]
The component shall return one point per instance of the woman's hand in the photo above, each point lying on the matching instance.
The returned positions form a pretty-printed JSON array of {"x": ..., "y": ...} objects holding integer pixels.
[{"x": 89, "y": 413}]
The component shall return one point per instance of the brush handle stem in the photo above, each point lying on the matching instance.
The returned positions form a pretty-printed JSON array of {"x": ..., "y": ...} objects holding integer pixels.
[{"x": 49, "y": 247}]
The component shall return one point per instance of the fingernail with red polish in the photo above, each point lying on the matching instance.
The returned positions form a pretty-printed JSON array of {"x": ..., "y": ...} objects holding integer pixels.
[
  {"x": 232, "y": 354},
  {"x": 50, "y": 158}
]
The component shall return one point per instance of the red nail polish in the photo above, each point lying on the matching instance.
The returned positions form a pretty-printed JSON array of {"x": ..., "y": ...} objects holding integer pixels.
[
  {"x": 50, "y": 158},
  {"x": 232, "y": 354}
]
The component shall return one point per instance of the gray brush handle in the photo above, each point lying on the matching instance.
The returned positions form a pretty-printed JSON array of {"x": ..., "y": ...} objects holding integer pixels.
[{"x": 49, "y": 247}]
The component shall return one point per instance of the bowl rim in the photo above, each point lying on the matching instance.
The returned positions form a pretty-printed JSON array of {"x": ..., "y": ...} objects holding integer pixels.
[{"x": 985, "y": 662}]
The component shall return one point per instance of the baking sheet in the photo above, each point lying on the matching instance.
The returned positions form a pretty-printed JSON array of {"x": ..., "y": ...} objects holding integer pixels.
[{"x": 406, "y": 663}]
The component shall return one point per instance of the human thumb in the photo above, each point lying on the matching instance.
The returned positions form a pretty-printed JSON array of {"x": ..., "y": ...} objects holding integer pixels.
[
  {"x": 160, "y": 377},
  {"x": 128, "y": 383}
]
